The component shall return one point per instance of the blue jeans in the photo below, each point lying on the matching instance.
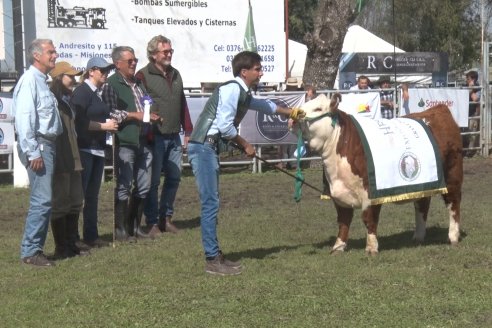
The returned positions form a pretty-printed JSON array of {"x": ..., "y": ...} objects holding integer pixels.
[
  {"x": 134, "y": 170},
  {"x": 205, "y": 164},
  {"x": 92, "y": 176},
  {"x": 38, "y": 215},
  {"x": 167, "y": 154}
]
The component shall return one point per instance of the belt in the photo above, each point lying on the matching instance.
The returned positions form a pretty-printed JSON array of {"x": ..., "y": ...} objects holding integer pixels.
[
  {"x": 50, "y": 139},
  {"x": 212, "y": 138}
]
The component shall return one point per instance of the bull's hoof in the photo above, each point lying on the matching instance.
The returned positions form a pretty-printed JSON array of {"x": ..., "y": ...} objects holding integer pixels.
[
  {"x": 371, "y": 252},
  {"x": 339, "y": 246},
  {"x": 453, "y": 243}
]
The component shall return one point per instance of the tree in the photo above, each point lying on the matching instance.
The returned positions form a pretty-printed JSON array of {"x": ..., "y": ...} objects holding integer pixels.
[
  {"x": 451, "y": 26},
  {"x": 324, "y": 43},
  {"x": 301, "y": 13}
]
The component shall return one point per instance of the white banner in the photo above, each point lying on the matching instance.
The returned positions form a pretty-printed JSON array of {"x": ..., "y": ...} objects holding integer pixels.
[
  {"x": 422, "y": 98},
  {"x": 206, "y": 34},
  {"x": 362, "y": 104}
]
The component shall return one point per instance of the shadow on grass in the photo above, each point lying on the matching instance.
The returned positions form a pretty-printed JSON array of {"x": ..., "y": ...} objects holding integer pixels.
[
  {"x": 260, "y": 253},
  {"x": 187, "y": 224},
  {"x": 434, "y": 236}
]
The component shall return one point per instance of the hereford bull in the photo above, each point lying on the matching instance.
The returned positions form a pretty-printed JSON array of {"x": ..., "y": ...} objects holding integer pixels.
[{"x": 331, "y": 133}]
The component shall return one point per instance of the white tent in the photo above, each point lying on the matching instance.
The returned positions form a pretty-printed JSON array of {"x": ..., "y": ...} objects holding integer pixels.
[
  {"x": 297, "y": 59},
  {"x": 359, "y": 39}
]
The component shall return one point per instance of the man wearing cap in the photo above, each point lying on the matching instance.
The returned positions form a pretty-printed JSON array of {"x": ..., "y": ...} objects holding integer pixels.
[
  {"x": 37, "y": 125},
  {"x": 386, "y": 96},
  {"x": 67, "y": 183},
  {"x": 133, "y": 155},
  {"x": 92, "y": 123}
]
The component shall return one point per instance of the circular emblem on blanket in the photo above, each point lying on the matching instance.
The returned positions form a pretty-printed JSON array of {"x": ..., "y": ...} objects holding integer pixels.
[
  {"x": 273, "y": 127},
  {"x": 1, "y": 136},
  {"x": 1, "y": 106},
  {"x": 409, "y": 166}
]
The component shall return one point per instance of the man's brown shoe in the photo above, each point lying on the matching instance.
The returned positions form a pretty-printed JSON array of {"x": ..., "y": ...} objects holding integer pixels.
[
  {"x": 154, "y": 232},
  {"x": 38, "y": 259},
  {"x": 218, "y": 267},
  {"x": 165, "y": 225},
  {"x": 82, "y": 246},
  {"x": 232, "y": 264},
  {"x": 98, "y": 243}
]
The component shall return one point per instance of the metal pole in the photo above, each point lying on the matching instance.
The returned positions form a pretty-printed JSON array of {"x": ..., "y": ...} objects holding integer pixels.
[{"x": 18, "y": 36}]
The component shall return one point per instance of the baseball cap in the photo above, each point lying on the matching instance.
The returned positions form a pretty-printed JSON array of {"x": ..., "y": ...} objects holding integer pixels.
[
  {"x": 99, "y": 63},
  {"x": 63, "y": 68}
]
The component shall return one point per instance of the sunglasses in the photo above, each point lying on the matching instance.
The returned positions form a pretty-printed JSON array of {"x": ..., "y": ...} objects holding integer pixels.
[
  {"x": 166, "y": 52},
  {"x": 130, "y": 61},
  {"x": 102, "y": 70}
]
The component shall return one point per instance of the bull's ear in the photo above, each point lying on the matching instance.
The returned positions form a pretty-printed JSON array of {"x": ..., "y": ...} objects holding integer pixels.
[{"x": 336, "y": 98}]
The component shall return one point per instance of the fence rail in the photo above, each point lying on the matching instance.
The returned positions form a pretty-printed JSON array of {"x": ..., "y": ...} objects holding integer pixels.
[{"x": 482, "y": 132}]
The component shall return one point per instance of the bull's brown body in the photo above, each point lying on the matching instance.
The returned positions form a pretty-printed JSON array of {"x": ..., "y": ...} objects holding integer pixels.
[{"x": 340, "y": 146}]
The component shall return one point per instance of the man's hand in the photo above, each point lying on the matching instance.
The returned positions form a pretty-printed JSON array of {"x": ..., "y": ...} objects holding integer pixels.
[
  {"x": 249, "y": 150},
  {"x": 296, "y": 114},
  {"x": 36, "y": 164},
  {"x": 154, "y": 118},
  {"x": 186, "y": 140}
]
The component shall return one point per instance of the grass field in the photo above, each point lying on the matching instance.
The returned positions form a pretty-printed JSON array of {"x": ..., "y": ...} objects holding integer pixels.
[{"x": 289, "y": 277}]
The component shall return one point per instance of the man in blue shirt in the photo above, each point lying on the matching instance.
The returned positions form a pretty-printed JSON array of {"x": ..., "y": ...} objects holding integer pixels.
[
  {"x": 37, "y": 124},
  {"x": 220, "y": 120}
]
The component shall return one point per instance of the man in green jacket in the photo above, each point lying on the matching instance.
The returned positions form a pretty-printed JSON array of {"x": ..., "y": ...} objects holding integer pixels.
[
  {"x": 133, "y": 156},
  {"x": 164, "y": 84}
]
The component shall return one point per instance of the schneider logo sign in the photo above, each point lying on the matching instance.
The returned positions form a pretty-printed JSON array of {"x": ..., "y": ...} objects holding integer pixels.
[{"x": 273, "y": 127}]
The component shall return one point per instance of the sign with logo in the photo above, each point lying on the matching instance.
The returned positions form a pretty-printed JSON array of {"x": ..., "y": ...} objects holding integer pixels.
[
  {"x": 409, "y": 166},
  {"x": 255, "y": 127},
  {"x": 205, "y": 34},
  {"x": 259, "y": 128},
  {"x": 7, "y": 137},
  {"x": 273, "y": 127},
  {"x": 421, "y": 99},
  {"x": 407, "y": 63},
  {"x": 5, "y": 105},
  {"x": 403, "y": 63},
  {"x": 366, "y": 104}
]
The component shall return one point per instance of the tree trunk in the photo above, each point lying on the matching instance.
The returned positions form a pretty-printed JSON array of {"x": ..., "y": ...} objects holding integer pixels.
[{"x": 325, "y": 43}]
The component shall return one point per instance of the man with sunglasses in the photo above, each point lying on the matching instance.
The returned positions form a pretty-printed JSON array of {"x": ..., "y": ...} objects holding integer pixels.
[
  {"x": 164, "y": 84},
  {"x": 133, "y": 156}
]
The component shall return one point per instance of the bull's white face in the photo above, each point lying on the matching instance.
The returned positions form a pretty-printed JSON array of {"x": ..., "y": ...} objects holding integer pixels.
[{"x": 317, "y": 128}]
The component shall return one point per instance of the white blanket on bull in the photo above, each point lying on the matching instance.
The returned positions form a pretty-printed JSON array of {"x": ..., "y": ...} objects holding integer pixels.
[{"x": 403, "y": 160}]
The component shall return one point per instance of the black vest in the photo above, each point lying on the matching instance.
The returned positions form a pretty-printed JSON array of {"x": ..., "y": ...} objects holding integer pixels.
[{"x": 207, "y": 116}]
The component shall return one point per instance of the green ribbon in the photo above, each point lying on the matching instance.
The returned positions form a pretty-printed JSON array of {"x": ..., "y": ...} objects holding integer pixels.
[
  {"x": 299, "y": 176},
  {"x": 300, "y": 142}
]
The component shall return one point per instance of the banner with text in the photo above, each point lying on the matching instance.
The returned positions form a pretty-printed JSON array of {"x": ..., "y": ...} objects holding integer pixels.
[
  {"x": 206, "y": 34},
  {"x": 421, "y": 99}
]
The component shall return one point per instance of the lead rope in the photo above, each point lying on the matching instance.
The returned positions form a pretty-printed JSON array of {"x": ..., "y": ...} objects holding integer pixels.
[{"x": 299, "y": 176}]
